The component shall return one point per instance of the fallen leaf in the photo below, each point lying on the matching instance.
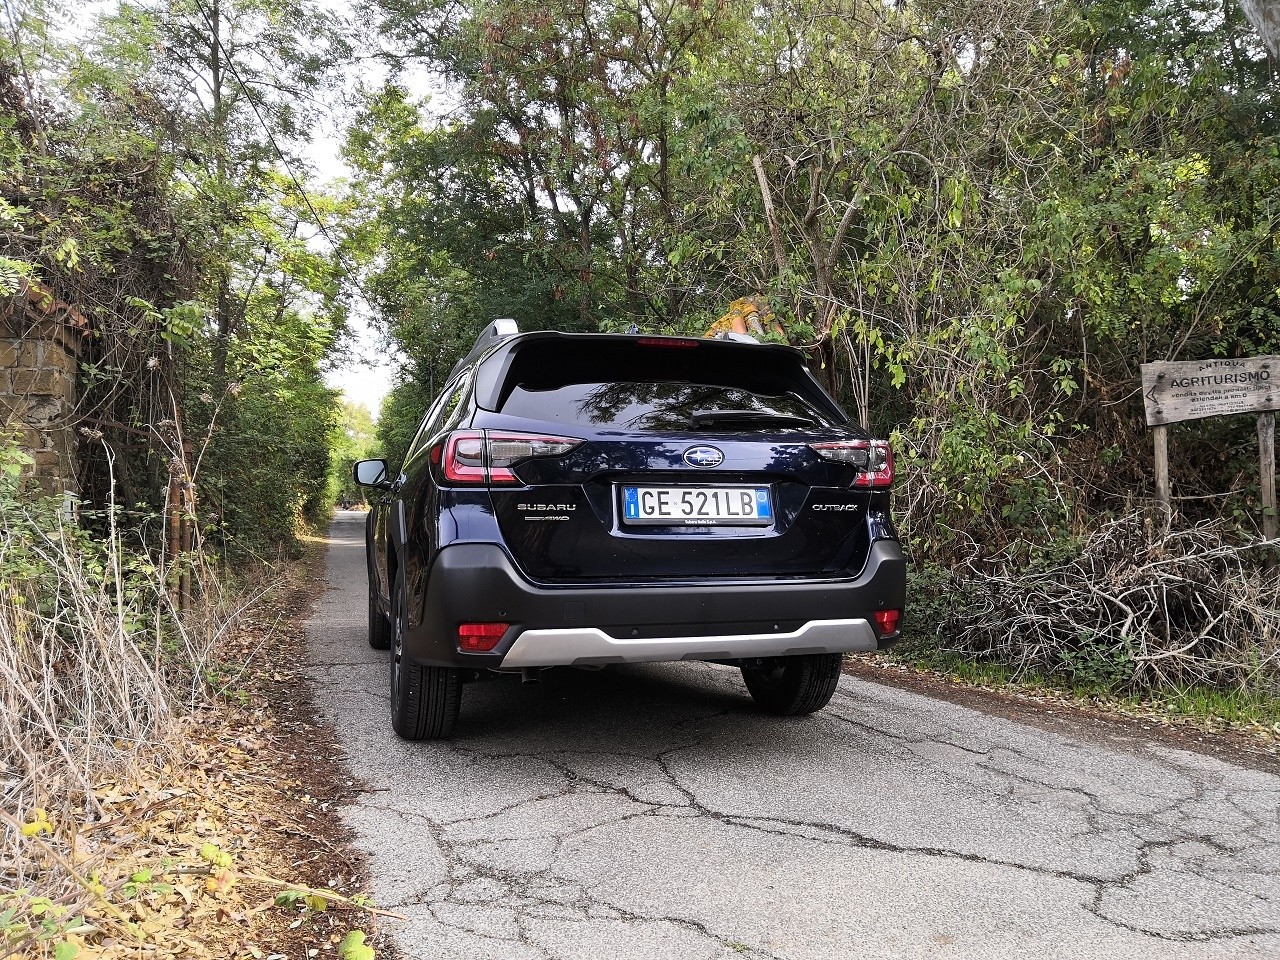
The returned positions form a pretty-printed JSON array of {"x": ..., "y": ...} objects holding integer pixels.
[{"x": 220, "y": 882}]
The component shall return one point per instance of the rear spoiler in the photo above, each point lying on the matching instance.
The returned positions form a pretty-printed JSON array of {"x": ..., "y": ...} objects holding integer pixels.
[{"x": 500, "y": 329}]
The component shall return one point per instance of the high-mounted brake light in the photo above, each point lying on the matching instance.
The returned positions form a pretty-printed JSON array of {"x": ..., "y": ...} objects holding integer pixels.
[
  {"x": 487, "y": 456},
  {"x": 873, "y": 458},
  {"x": 480, "y": 637},
  {"x": 669, "y": 343}
]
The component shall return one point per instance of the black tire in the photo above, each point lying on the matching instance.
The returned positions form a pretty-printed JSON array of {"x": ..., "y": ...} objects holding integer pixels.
[
  {"x": 424, "y": 700},
  {"x": 380, "y": 633},
  {"x": 793, "y": 686}
]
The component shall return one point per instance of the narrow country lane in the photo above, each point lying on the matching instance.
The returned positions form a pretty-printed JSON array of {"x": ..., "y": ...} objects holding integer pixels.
[{"x": 651, "y": 812}]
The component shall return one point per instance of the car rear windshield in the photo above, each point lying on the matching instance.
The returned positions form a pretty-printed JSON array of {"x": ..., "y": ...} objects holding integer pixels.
[{"x": 618, "y": 383}]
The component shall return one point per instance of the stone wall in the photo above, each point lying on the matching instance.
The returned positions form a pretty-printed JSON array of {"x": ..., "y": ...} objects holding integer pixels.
[{"x": 39, "y": 386}]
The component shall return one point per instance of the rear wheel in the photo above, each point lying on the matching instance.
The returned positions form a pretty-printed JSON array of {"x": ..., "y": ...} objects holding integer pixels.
[
  {"x": 380, "y": 634},
  {"x": 424, "y": 700},
  {"x": 791, "y": 686}
]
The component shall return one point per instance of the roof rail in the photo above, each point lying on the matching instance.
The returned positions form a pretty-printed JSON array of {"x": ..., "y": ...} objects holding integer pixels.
[{"x": 499, "y": 329}]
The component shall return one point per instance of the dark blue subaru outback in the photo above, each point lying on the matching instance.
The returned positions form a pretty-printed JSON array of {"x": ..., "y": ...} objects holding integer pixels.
[{"x": 591, "y": 499}]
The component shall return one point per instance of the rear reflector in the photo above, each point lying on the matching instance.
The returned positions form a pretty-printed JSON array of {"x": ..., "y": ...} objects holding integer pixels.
[
  {"x": 480, "y": 637},
  {"x": 888, "y": 620}
]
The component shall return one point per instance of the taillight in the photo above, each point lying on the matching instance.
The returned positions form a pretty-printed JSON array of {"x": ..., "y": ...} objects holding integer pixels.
[
  {"x": 464, "y": 457},
  {"x": 873, "y": 458},
  {"x": 508, "y": 449},
  {"x": 480, "y": 637},
  {"x": 486, "y": 456}
]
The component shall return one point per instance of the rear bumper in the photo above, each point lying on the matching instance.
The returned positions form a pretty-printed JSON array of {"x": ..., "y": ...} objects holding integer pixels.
[
  {"x": 612, "y": 623},
  {"x": 588, "y": 646}
]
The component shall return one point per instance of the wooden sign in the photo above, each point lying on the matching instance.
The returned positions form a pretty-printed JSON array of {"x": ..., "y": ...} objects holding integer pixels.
[{"x": 1191, "y": 389}]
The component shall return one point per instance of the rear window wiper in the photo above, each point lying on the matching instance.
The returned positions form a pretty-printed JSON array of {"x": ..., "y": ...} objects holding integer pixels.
[{"x": 747, "y": 418}]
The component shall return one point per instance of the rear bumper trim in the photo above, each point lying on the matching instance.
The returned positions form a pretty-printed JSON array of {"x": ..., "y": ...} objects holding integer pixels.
[
  {"x": 585, "y": 646},
  {"x": 710, "y": 621}
]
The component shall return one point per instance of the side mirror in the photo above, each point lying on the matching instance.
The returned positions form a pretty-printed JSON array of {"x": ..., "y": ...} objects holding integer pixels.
[{"x": 371, "y": 473}]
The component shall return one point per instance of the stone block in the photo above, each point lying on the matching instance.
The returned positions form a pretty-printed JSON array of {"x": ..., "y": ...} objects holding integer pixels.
[
  {"x": 44, "y": 412},
  {"x": 30, "y": 353},
  {"x": 48, "y": 462},
  {"x": 8, "y": 354},
  {"x": 47, "y": 381}
]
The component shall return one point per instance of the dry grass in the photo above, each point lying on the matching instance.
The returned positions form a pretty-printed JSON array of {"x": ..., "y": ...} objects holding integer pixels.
[
  {"x": 96, "y": 665},
  {"x": 215, "y": 835}
]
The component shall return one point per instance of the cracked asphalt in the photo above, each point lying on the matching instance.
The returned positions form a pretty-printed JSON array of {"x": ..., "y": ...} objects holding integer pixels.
[{"x": 650, "y": 812}]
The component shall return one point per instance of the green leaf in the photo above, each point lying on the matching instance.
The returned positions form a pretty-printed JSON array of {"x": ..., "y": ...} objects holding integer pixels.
[{"x": 353, "y": 947}]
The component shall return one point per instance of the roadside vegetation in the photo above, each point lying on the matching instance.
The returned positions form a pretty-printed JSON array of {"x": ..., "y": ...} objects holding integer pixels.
[
  {"x": 150, "y": 179},
  {"x": 976, "y": 218}
]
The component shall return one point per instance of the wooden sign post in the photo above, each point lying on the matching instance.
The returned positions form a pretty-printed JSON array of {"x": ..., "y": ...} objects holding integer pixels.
[
  {"x": 1192, "y": 389},
  {"x": 1267, "y": 444}
]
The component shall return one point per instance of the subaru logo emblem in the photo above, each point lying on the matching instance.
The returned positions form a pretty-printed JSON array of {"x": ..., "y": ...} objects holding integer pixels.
[{"x": 703, "y": 457}]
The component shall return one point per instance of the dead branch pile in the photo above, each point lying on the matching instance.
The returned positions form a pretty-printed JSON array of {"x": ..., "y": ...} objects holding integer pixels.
[{"x": 1133, "y": 610}]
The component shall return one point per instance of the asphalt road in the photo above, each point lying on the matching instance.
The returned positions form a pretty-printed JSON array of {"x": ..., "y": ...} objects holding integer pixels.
[{"x": 650, "y": 812}]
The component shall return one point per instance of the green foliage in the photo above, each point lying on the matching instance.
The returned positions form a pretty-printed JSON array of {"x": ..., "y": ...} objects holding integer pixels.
[
  {"x": 547, "y": 197},
  {"x": 353, "y": 947},
  {"x": 161, "y": 198},
  {"x": 38, "y": 920},
  {"x": 354, "y": 437},
  {"x": 1098, "y": 663}
]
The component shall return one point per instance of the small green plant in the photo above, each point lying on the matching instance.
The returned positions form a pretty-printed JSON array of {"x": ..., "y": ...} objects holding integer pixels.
[
  {"x": 26, "y": 920},
  {"x": 353, "y": 947},
  {"x": 142, "y": 883},
  {"x": 1097, "y": 665}
]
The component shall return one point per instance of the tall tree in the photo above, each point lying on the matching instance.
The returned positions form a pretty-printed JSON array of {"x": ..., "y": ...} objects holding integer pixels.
[{"x": 571, "y": 106}]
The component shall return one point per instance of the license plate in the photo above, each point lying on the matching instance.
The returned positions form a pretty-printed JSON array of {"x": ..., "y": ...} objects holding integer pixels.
[{"x": 697, "y": 506}]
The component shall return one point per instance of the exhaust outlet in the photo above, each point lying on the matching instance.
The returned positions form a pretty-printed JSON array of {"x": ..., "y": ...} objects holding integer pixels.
[{"x": 531, "y": 675}]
